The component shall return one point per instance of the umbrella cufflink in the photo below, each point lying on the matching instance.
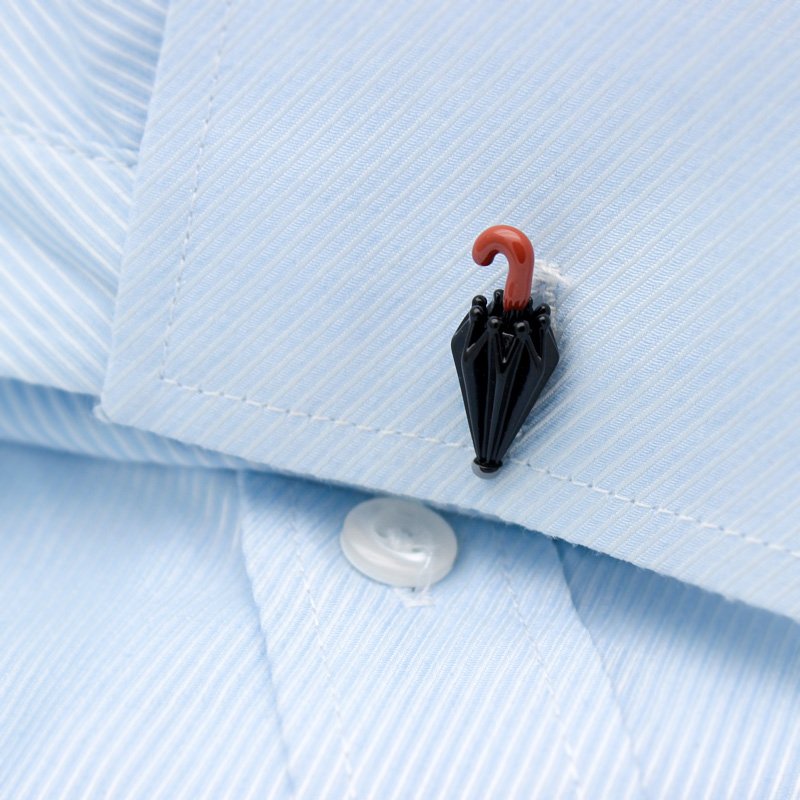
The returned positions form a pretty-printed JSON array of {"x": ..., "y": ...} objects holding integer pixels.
[{"x": 504, "y": 350}]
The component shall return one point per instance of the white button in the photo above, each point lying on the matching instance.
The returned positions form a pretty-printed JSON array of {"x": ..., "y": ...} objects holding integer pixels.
[{"x": 399, "y": 542}]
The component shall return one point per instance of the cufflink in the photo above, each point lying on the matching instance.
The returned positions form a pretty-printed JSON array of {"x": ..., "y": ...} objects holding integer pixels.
[{"x": 504, "y": 350}]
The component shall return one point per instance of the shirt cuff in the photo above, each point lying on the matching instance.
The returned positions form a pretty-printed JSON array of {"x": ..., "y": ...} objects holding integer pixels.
[{"x": 309, "y": 186}]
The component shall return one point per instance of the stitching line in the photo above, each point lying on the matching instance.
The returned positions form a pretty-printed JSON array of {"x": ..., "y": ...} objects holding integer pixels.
[
  {"x": 190, "y": 218},
  {"x": 126, "y": 158},
  {"x": 778, "y": 548},
  {"x": 251, "y": 578},
  {"x": 323, "y": 658},
  {"x": 612, "y": 687},
  {"x": 291, "y": 412},
  {"x": 556, "y": 707}
]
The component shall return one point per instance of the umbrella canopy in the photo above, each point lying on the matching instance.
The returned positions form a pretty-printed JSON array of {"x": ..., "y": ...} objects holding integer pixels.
[{"x": 504, "y": 351}]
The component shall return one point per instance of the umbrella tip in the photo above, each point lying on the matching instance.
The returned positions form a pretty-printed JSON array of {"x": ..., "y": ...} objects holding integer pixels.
[{"x": 486, "y": 469}]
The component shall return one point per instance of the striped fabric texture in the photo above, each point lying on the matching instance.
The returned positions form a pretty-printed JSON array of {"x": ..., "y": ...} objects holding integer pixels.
[
  {"x": 700, "y": 727},
  {"x": 234, "y": 242},
  {"x": 173, "y": 632},
  {"x": 480, "y": 690},
  {"x": 75, "y": 83},
  {"x": 68, "y": 422},
  {"x": 132, "y": 664},
  {"x": 298, "y": 260}
]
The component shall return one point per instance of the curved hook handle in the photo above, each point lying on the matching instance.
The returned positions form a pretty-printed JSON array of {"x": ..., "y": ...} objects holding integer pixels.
[{"x": 517, "y": 248}]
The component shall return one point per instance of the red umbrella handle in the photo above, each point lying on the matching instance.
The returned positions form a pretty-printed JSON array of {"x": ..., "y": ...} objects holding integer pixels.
[{"x": 517, "y": 248}]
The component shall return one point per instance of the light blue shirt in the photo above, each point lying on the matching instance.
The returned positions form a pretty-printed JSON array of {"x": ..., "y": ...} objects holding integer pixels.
[{"x": 235, "y": 243}]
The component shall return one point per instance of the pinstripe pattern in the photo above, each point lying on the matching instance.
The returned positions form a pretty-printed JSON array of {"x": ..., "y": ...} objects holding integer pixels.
[
  {"x": 58, "y": 420},
  {"x": 171, "y": 632},
  {"x": 480, "y": 694},
  {"x": 196, "y": 633},
  {"x": 710, "y": 722},
  {"x": 131, "y": 664},
  {"x": 74, "y": 87},
  {"x": 660, "y": 187}
]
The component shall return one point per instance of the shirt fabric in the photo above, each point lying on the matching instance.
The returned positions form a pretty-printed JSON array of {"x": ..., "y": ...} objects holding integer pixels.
[
  {"x": 196, "y": 632},
  {"x": 235, "y": 243}
]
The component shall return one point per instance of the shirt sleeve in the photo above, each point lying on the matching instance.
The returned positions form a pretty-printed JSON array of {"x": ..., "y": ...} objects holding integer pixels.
[{"x": 296, "y": 247}]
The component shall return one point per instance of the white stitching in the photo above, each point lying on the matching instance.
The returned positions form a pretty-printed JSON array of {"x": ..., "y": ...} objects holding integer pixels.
[
  {"x": 200, "y": 150},
  {"x": 291, "y": 412},
  {"x": 323, "y": 658},
  {"x": 384, "y": 431},
  {"x": 601, "y": 661},
  {"x": 244, "y": 503},
  {"x": 120, "y": 157},
  {"x": 579, "y": 789}
]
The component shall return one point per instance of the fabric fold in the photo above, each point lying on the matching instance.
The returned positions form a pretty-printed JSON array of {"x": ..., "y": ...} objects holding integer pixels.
[
  {"x": 486, "y": 686},
  {"x": 75, "y": 87},
  {"x": 298, "y": 259}
]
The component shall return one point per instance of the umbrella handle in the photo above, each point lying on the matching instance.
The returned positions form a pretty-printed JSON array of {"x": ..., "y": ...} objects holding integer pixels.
[{"x": 517, "y": 248}]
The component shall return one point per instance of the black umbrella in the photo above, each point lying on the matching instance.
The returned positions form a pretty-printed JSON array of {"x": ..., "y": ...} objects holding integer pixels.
[{"x": 504, "y": 350}]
